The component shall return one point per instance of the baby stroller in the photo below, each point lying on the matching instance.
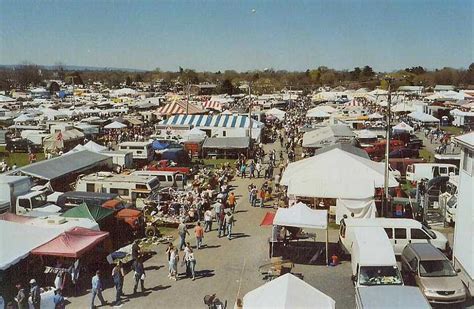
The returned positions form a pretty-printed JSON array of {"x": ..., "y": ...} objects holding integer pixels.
[{"x": 213, "y": 302}]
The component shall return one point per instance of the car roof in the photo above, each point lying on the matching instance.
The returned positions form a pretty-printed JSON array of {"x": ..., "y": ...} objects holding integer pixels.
[{"x": 427, "y": 252}]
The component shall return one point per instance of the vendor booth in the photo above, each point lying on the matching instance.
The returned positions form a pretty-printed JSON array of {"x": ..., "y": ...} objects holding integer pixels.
[
  {"x": 298, "y": 216},
  {"x": 287, "y": 292}
]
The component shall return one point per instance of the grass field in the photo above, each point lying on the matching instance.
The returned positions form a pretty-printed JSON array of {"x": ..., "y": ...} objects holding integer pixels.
[
  {"x": 425, "y": 154},
  {"x": 218, "y": 162},
  {"x": 18, "y": 158},
  {"x": 452, "y": 130}
]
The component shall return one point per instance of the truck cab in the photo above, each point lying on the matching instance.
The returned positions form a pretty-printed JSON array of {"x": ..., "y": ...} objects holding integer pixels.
[{"x": 34, "y": 204}]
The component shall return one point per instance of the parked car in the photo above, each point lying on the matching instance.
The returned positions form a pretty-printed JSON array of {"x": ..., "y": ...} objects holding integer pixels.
[
  {"x": 404, "y": 153},
  {"x": 428, "y": 268}
]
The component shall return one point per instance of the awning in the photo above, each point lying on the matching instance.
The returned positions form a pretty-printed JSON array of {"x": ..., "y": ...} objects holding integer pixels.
[
  {"x": 92, "y": 212},
  {"x": 73, "y": 243},
  {"x": 300, "y": 215}
]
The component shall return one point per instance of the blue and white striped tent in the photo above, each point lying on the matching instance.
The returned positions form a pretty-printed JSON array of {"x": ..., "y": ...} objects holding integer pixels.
[{"x": 221, "y": 121}]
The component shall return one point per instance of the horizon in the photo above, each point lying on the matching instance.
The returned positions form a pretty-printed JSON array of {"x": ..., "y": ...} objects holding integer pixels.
[{"x": 244, "y": 36}]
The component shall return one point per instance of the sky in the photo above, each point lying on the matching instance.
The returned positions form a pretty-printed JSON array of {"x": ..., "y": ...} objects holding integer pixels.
[{"x": 241, "y": 35}]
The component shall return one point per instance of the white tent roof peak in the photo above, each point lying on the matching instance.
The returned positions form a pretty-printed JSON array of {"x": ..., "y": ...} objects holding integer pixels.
[
  {"x": 300, "y": 215},
  {"x": 115, "y": 125},
  {"x": 285, "y": 292}
]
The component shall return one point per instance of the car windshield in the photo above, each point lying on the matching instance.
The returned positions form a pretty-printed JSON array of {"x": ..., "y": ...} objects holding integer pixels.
[
  {"x": 436, "y": 269},
  {"x": 38, "y": 201},
  {"x": 452, "y": 201},
  {"x": 429, "y": 232},
  {"x": 379, "y": 275}
]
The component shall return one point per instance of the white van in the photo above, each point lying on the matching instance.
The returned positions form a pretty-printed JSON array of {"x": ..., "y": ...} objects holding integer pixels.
[
  {"x": 373, "y": 259},
  {"x": 392, "y": 296},
  {"x": 141, "y": 150},
  {"x": 417, "y": 171},
  {"x": 400, "y": 232},
  {"x": 167, "y": 179}
]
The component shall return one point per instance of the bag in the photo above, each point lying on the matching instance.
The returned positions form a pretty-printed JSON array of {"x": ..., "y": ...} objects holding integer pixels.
[{"x": 142, "y": 277}]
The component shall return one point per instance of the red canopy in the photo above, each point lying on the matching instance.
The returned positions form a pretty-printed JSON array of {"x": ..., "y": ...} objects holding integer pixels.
[
  {"x": 15, "y": 218},
  {"x": 73, "y": 243},
  {"x": 268, "y": 219}
]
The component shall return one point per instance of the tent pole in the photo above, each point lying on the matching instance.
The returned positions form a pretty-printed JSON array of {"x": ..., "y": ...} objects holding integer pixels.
[{"x": 327, "y": 238}]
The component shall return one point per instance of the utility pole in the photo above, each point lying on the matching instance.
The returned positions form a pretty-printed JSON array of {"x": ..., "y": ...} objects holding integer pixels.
[
  {"x": 188, "y": 90},
  {"x": 387, "y": 151},
  {"x": 250, "y": 114}
]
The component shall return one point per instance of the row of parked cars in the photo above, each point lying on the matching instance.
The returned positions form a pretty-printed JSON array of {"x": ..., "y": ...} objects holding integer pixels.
[{"x": 374, "y": 245}]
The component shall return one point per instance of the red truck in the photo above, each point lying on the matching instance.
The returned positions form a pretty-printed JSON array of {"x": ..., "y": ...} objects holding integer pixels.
[
  {"x": 377, "y": 151},
  {"x": 168, "y": 166}
]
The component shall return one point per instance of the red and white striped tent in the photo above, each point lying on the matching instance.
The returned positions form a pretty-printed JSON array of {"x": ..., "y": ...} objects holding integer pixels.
[
  {"x": 354, "y": 102},
  {"x": 215, "y": 105},
  {"x": 175, "y": 108}
]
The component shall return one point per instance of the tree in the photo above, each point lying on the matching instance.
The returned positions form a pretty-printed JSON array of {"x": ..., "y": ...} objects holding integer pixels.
[
  {"x": 416, "y": 70},
  {"x": 227, "y": 87},
  {"x": 138, "y": 78},
  {"x": 28, "y": 74},
  {"x": 355, "y": 74},
  {"x": 368, "y": 72},
  {"x": 328, "y": 78},
  {"x": 128, "y": 81}
]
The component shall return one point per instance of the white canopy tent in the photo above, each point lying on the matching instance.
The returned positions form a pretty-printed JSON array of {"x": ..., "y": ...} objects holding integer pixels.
[
  {"x": 422, "y": 117},
  {"x": 317, "y": 114},
  {"x": 94, "y": 147},
  {"x": 335, "y": 174},
  {"x": 375, "y": 116},
  {"x": 402, "y": 108},
  {"x": 195, "y": 134},
  {"x": 115, "y": 125},
  {"x": 403, "y": 127},
  {"x": 31, "y": 237},
  {"x": 287, "y": 292},
  {"x": 300, "y": 215},
  {"x": 365, "y": 134},
  {"x": 277, "y": 113}
]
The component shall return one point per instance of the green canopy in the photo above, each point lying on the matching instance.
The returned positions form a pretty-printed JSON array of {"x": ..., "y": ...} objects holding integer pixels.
[{"x": 92, "y": 212}]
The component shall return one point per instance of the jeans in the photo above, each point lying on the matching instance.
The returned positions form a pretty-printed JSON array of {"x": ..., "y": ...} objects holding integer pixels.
[
  {"x": 142, "y": 283},
  {"x": 182, "y": 241},
  {"x": 198, "y": 242},
  {"x": 97, "y": 293},
  {"x": 208, "y": 226},
  {"x": 229, "y": 230},
  {"x": 261, "y": 202},
  {"x": 118, "y": 291},
  {"x": 220, "y": 229},
  {"x": 192, "y": 266}
]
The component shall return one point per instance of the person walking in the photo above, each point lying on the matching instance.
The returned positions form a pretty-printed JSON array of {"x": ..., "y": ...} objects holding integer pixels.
[
  {"x": 139, "y": 274},
  {"x": 182, "y": 231},
  {"x": 229, "y": 219},
  {"x": 258, "y": 168},
  {"x": 35, "y": 293},
  {"x": 173, "y": 264},
  {"x": 190, "y": 263},
  {"x": 58, "y": 300},
  {"x": 252, "y": 169},
  {"x": 199, "y": 233},
  {"x": 221, "y": 223},
  {"x": 243, "y": 168},
  {"x": 231, "y": 201},
  {"x": 208, "y": 220},
  {"x": 253, "y": 194},
  {"x": 97, "y": 289},
  {"x": 117, "y": 276},
  {"x": 262, "y": 196},
  {"x": 21, "y": 297}
]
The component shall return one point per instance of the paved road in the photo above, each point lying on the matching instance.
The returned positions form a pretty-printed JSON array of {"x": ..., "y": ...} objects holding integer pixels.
[{"x": 228, "y": 268}]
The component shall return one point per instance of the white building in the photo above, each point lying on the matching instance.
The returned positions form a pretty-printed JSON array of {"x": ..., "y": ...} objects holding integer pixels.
[{"x": 463, "y": 254}]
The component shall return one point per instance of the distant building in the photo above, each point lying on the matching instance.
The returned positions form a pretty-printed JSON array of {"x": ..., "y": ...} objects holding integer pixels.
[
  {"x": 411, "y": 90},
  {"x": 443, "y": 88},
  {"x": 203, "y": 89}
]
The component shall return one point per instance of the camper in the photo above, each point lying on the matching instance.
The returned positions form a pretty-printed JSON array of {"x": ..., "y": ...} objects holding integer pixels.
[
  {"x": 142, "y": 151},
  {"x": 400, "y": 232},
  {"x": 121, "y": 158},
  {"x": 391, "y": 296},
  {"x": 373, "y": 259},
  {"x": 131, "y": 188},
  {"x": 167, "y": 179},
  {"x": 418, "y": 171}
]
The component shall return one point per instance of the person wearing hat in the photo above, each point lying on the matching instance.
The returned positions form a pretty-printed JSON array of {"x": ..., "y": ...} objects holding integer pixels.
[
  {"x": 21, "y": 297},
  {"x": 229, "y": 220},
  {"x": 35, "y": 293}
]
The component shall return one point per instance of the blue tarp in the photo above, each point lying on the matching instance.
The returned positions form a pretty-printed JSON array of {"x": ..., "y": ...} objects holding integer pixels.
[{"x": 159, "y": 146}]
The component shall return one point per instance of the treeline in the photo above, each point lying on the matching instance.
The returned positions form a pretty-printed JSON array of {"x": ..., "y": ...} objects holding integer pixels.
[{"x": 27, "y": 75}]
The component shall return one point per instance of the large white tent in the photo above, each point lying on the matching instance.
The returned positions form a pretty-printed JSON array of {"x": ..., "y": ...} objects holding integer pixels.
[
  {"x": 335, "y": 174},
  {"x": 287, "y": 292},
  {"x": 317, "y": 114},
  {"x": 27, "y": 237},
  {"x": 277, "y": 113},
  {"x": 422, "y": 117},
  {"x": 195, "y": 134},
  {"x": 115, "y": 125}
]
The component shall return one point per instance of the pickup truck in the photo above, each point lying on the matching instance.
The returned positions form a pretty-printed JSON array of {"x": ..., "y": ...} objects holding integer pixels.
[
  {"x": 168, "y": 166},
  {"x": 377, "y": 151}
]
